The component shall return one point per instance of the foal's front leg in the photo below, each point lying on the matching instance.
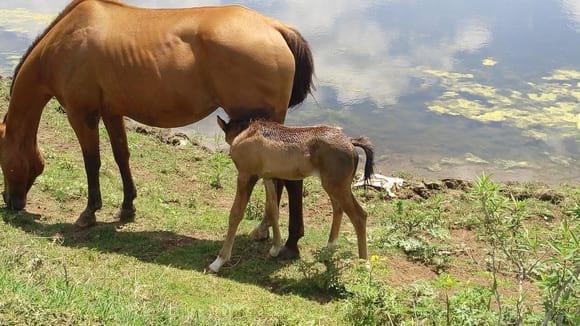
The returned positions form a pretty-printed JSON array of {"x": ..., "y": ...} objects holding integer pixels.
[
  {"x": 244, "y": 190},
  {"x": 273, "y": 213}
]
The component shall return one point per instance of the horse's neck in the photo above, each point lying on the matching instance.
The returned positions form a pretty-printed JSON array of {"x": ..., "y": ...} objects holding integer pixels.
[{"x": 23, "y": 117}]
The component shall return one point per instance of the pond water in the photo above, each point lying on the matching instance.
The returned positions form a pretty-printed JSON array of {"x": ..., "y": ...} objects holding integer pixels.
[{"x": 443, "y": 88}]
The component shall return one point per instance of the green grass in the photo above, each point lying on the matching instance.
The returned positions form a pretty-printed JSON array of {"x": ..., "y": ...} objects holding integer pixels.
[{"x": 153, "y": 271}]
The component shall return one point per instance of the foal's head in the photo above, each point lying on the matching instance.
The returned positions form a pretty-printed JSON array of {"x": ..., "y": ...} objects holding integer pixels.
[{"x": 240, "y": 123}]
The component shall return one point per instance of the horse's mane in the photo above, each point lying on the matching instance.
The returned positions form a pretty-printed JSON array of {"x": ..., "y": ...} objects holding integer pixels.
[{"x": 73, "y": 4}]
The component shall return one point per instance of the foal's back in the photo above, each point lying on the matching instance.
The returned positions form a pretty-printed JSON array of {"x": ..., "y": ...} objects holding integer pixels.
[{"x": 271, "y": 150}]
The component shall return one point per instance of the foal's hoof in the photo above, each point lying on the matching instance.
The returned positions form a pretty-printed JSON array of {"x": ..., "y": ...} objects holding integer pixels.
[
  {"x": 288, "y": 254},
  {"x": 275, "y": 251},
  {"x": 86, "y": 220},
  {"x": 260, "y": 234},
  {"x": 126, "y": 215},
  {"x": 215, "y": 267}
]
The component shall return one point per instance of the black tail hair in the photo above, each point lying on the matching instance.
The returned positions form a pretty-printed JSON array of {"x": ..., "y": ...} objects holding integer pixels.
[
  {"x": 368, "y": 148},
  {"x": 303, "y": 83}
]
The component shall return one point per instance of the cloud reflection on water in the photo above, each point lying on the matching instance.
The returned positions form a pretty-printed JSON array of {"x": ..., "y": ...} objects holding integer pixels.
[{"x": 372, "y": 55}]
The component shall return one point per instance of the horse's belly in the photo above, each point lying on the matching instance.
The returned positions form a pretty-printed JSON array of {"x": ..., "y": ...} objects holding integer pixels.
[{"x": 168, "y": 116}]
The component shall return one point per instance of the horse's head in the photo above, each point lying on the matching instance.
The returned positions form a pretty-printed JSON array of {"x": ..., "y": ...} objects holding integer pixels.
[{"x": 21, "y": 164}]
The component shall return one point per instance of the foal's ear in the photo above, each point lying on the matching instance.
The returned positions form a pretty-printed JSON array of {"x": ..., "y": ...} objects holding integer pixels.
[{"x": 221, "y": 123}]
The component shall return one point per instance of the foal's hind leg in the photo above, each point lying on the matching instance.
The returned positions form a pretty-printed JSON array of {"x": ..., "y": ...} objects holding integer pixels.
[
  {"x": 86, "y": 127},
  {"x": 358, "y": 217},
  {"x": 273, "y": 213},
  {"x": 116, "y": 129},
  {"x": 341, "y": 196},
  {"x": 337, "y": 213}
]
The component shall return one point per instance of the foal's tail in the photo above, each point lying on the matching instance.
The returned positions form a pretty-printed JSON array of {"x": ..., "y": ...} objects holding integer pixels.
[
  {"x": 365, "y": 144},
  {"x": 303, "y": 84}
]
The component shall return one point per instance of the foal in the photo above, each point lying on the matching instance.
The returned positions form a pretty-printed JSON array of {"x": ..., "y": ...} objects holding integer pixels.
[{"x": 269, "y": 150}]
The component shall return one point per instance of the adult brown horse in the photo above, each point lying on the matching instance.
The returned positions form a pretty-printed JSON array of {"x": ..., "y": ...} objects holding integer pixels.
[{"x": 103, "y": 59}]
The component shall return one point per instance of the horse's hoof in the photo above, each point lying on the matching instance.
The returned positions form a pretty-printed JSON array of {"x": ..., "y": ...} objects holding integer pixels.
[
  {"x": 86, "y": 220},
  {"x": 126, "y": 215},
  {"x": 288, "y": 254},
  {"x": 260, "y": 234}
]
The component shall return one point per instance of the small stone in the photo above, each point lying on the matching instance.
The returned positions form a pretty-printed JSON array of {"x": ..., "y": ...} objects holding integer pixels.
[{"x": 437, "y": 185}]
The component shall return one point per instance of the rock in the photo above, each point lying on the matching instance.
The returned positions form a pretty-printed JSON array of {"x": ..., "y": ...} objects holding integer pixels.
[
  {"x": 550, "y": 196},
  {"x": 437, "y": 185},
  {"x": 178, "y": 139},
  {"x": 422, "y": 190},
  {"x": 457, "y": 184}
]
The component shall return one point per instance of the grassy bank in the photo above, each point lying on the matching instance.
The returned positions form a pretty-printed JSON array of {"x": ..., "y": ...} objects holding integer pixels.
[{"x": 431, "y": 252}]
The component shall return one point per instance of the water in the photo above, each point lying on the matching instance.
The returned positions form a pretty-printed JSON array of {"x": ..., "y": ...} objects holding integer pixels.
[{"x": 442, "y": 88}]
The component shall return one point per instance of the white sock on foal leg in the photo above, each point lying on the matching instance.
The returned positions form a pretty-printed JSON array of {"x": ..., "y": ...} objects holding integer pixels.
[
  {"x": 217, "y": 264},
  {"x": 275, "y": 251},
  {"x": 332, "y": 245}
]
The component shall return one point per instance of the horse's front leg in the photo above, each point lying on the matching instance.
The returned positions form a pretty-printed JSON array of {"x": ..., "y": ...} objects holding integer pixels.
[
  {"x": 86, "y": 127},
  {"x": 116, "y": 128},
  {"x": 262, "y": 231}
]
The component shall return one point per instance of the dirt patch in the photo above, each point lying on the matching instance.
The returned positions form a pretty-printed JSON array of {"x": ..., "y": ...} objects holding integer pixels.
[
  {"x": 403, "y": 272},
  {"x": 528, "y": 191}
]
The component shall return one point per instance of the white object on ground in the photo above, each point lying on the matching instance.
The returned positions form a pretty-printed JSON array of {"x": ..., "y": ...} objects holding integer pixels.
[{"x": 388, "y": 184}]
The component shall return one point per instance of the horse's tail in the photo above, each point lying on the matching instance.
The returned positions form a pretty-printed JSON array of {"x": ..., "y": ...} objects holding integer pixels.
[
  {"x": 303, "y": 77},
  {"x": 365, "y": 144},
  {"x": 72, "y": 5}
]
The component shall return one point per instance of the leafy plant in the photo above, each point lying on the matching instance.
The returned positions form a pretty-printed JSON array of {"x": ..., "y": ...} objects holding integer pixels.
[
  {"x": 219, "y": 163},
  {"x": 501, "y": 226},
  {"x": 254, "y": 211},
  {"x": 328, "y": 279},
  {"x": 559, "y": 280}
]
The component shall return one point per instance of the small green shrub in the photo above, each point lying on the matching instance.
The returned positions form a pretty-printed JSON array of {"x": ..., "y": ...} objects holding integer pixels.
[
  {"x": 326, "y": 270},
  {"x": 219, "y": 163},
  {"x": 559, "y": 278}
]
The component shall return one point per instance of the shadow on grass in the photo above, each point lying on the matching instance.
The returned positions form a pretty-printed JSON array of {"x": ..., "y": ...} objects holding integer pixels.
[{"x": 250, "y": 262}]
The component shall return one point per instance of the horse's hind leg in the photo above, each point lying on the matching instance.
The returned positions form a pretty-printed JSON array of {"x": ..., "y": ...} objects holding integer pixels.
[
  {"x": 272, "y": 211},
  {"x": 86, "y": 127},
  {"x": 116, "y": 129}
]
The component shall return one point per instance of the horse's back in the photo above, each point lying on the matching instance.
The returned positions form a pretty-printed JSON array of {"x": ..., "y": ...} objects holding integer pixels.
[{"x": 185, "y": 62}]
